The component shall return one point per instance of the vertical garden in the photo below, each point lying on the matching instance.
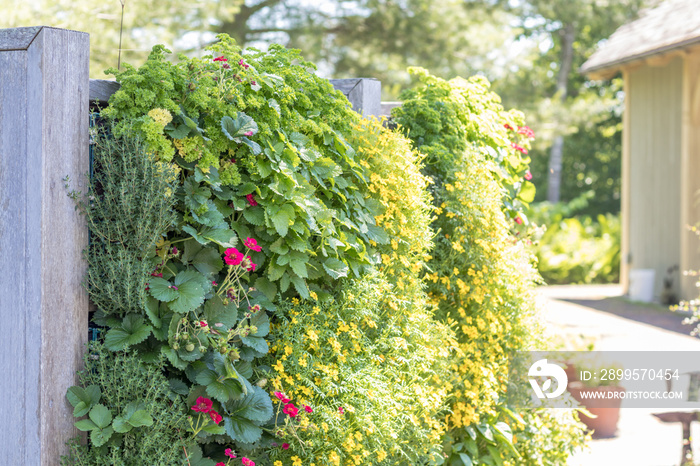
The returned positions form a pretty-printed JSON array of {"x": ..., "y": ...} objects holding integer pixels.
[{"x": 281, "y": 282}]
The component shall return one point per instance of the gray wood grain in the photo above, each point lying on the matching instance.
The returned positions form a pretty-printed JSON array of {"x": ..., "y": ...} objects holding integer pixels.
[
  {"x": 364, "y": 94},
  {"x": 43, "y": 307},
  {"x": 101, "y": 90},
  {"x": 17, "y": 38}
]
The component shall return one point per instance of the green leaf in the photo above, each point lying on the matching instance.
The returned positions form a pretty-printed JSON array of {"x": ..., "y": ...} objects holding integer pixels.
[
  {"x": 257, "y": 343},
  {"x": 85, "y": 425},
  {"x": 160, "y": 289},
  {"x": 152, "y": 308},
  {"x": 298, "y": 264},
  {"x": 208, "y": 261},
  {"x": 527, "y": 192},
  {"x": 377, "y": 234},
  {"x": 83, "y": 399},
  {"x": 335, "y": 268},
  {"x": 255, "y": 406},
  {"x": 243, "y": 124},
  {"x": 190, "y": 296},
  {"x": 466, "y": 459},
  {"x": 121, "y": 426},
  {"x": 216, "y": 312},
  {"x": 300, "y": 286},
  {"x": 242, "y": 430},
  {"x": 101, "y": 416},
  {"x": 133, "y": 330},
  {"x": 254, "y": 215},
  {"x": 214, "y": 429},
  {"x": 173, "y": 357},
  {"x": 224, "y": 237},
  {"x": 141, "y": 418},
  {"x": 283, "y": 218},
  {"x": 262, "y": 322},
  {"x": 229, "y": 389},
  {"x": 268, "y": 288},
  {"x": 99, "y": 437}
]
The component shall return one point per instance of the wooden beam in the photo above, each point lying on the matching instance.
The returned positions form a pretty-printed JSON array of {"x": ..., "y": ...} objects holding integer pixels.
[
  {"x": 101, "y": 90},
  {"x": 365, "y": 94},
  {"x": 626, "y": 259},
  {"x": 44, "y": 80}
]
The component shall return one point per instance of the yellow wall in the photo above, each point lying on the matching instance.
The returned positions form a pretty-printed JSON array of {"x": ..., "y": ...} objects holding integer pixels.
[{"x": 654, "y": 106}]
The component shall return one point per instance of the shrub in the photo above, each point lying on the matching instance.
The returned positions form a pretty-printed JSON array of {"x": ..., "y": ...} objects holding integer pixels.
[
  {"x": 576, "y": 248},
  {"x": 480, "y": 276}
]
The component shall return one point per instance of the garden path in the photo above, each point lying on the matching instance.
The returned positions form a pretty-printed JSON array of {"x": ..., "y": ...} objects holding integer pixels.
[{"x": 600, "y": 315}]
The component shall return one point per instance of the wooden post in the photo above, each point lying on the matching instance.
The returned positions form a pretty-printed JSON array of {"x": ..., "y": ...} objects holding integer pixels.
[
  {"x": 44, "y": 85},
  {"x": 365, "y": 94}
]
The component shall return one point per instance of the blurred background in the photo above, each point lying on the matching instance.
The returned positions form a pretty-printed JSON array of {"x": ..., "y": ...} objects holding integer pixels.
[{"x": 530, "y": 50}]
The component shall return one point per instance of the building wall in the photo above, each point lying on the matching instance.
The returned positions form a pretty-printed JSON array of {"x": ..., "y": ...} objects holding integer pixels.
[
  {"x": 655, "y": 110},
  {"x": 690, "y": 172}
]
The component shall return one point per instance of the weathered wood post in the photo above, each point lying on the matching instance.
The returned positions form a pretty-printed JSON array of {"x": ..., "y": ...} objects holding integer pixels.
[
  {"x": 365, "y": 94},
  {"x": 44, "y": 86}
]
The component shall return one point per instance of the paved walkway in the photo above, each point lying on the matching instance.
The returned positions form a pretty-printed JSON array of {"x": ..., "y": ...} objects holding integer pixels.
[{"x": 599, "y": 315}]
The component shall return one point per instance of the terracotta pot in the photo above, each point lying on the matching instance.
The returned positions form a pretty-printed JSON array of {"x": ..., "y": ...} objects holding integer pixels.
[{"x": 607, "y": 410}]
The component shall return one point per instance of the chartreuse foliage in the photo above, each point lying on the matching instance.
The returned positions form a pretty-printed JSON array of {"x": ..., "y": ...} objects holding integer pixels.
[
  {"x": 371, "y": 362},
  {"x": 479, "y": 276}
]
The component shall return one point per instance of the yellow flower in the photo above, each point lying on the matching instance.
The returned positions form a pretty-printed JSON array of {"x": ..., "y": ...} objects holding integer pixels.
[
  {"x": 313, "y": 295},
  {"x": 278, "y": 367},
  {"x": 381, "y": 455},
  {"x": 296, "y": 461},
  {"x": 278, "y": 463}
]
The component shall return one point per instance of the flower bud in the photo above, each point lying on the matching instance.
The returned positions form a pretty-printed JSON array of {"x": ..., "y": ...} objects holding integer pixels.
[{"x": 203, "y": 349}]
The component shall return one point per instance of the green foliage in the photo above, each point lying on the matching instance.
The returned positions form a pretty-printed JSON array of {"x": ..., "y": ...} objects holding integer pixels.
[
  {"x": 445, "y": 118},
  {"x": 376, "y": 353},
  {"x": 576, "y": 248},
  {"x": 480, "y": 276},
  {"x": 128, "y": 185},
  {"x": 131, "y": 411}
]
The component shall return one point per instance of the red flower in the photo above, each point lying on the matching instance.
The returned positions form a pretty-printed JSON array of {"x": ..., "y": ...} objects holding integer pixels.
[
  {"x": 508, "y": 127},
  {"x": 243, "y": 64},
  {"x": 247, "y": 462},
  {"x": 308, "y": 409},
  {"x": 251, "y": 200},
  {"x": 517, "y": 147},
  {"x": 282, "y": 397},
  {"x": 285, "y": 446},
  {"x": 518, "y": 220},
  {"x": 291, "y": 410},
  {"x": 221, "y": 59},
  {"x": 233, "y": 256},
  {"x": 341, "y": 410},
  {"x": 528, "y": 175},
  {"x": 220, "y": 464},
  {"x": 526, "y": 131},
  {"x": 213, "y": 283},
  {"x": 250, "y": 243},
  {"x": 202, "y": 323},
  {"x": 216, "y": 417},
  {"x": 228, "y": 452},
  {"x": 203, "y": 405}
]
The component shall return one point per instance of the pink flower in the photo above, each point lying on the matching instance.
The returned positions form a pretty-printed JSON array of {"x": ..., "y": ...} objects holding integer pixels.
[
  {"x": 202, "y": 323},
  {"x": 291, "y": 410},
  {"x": 526, "y": 131},
  {"x": 220, "y": 464},
  {"x": 248, "y": 133},
  {"x": 282, "y": 397},
  {"x": 233, "y": 256},
  {"x": 250, "y": 243},
  {"x": 308, "y": 409},
  {"x": 203, "y": 405},
  {"x": 216, "y": 417},
  {"x": 247, "y": 462},
  {"x": 253, "y": 83},
  {"x": 518, "y": 220},
  {"x": 228, "y": 452},
  {"x": 519, "y": 148},
  {"x": 213, "y": 283},
  {"x": 251, "y": 200},
  {"x": 221, "y": 59},
  {"x": 285, "y": 446},
  {"x": 175, "y": 250},
  {"x": 528, "y": 175},
  {"x": 243, "y": 64},
  {"x": 251, "y": 266},
  {"x": 226, "y": 66},
  {"x": 341, "y": 410}
]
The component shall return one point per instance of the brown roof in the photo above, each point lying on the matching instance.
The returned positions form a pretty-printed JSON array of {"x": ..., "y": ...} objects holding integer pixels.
[{"x": 672, "y": 24}]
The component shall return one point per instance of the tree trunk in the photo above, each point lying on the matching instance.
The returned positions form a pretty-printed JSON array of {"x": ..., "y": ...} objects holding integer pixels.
[{"x": 555, "y": 157}]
